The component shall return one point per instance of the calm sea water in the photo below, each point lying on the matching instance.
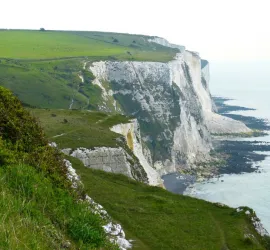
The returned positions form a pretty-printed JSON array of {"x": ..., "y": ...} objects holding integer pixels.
[{"x": 249, "y": 85}]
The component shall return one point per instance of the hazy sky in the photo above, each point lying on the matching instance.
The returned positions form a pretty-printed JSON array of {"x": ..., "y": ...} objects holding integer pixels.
[{"x": 219, "y": 30}]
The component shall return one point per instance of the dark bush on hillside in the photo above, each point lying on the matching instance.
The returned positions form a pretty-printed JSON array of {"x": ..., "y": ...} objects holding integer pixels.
[
  {"x": 23, "y": 139},
  {"x": 16, "y": 124},
  {"x": 115, "y": 40}
]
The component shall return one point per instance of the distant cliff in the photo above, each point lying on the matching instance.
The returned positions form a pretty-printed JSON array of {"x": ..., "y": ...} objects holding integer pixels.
[{"x": 171, "y": 102}]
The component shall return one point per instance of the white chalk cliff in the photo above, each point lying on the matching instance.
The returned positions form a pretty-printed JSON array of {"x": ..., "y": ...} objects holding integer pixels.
[
  {"x": 132, "y": 135},
  {"x": 173, "y": 106}
]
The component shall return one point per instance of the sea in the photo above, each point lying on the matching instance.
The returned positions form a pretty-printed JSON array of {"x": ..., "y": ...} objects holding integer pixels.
[{"x": 248, "y": 84}]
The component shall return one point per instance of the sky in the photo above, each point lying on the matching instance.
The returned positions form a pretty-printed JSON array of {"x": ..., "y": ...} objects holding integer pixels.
[{"x": 220, "y": 30}]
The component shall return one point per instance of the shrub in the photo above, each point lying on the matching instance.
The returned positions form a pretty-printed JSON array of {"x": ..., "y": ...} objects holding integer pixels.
[
  {"x": 16, "y": 124},
  {"x": 23, "y": 139}
]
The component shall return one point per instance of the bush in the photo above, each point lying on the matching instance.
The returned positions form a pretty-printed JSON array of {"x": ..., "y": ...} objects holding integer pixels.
[
  {"x": 24, "y": 140},
  {"x": 16, "y": 124}
]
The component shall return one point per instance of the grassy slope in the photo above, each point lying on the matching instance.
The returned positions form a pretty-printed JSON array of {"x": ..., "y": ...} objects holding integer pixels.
[
  {"x": 82, "y": 129},
  {"x": 157, "y": 219},
  {"x": 35, "y": 214},
  {"x": 97, "y": 45},
  {"x": 38, "y": 207},
  {"x": 47, "y": 84}
]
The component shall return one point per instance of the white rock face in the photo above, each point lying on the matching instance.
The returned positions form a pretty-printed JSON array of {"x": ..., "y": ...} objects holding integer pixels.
[
  {"x": 215, "y": 122},
  {"x": 173, "y": 105},
  {"x": 113, "y": 160},
  {"x": 132, "y": 134},
  {"x": 164, "y": 42},
  {"x": 254, "y": 219},
  {"x": 152, "y": 87}
]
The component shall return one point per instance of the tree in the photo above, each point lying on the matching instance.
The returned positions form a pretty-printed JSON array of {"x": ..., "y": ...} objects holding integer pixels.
[{"x": 42, "y": 29}]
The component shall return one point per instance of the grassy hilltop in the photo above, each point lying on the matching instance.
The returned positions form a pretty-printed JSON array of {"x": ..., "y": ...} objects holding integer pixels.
[{"x": 19, "y": 44}]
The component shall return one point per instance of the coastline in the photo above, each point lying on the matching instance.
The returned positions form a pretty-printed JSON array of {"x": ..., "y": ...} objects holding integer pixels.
[{"x": 241, "y": 152}]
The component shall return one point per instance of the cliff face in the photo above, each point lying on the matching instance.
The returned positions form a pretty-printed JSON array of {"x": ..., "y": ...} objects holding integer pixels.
[
  {"x": 113, "y": 160},
  {"x": 172, "y": 104},
  {"x": 132, "y": 134}
]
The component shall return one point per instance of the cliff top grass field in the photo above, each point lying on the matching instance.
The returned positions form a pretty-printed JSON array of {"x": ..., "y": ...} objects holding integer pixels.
[{"x": 37, "y": 45}]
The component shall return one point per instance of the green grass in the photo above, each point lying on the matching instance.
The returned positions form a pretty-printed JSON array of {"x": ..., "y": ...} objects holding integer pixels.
[
  {"x": 158, "y": 219},
  {"x": 37, "y": 215},
  {"x": 49, "y": 84},
  {"x": 39, "y": 209},
  {"x": 82, "y": 129},
  {"x": 19, "y": 44}
]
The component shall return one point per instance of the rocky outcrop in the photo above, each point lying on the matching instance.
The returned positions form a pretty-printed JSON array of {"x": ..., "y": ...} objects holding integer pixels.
[
  {"x": 250, "y": 213},
  {"x": 129, "y": 160},
  {"x": 113, "y": 160},
  {"x": 131, "y": 132}
]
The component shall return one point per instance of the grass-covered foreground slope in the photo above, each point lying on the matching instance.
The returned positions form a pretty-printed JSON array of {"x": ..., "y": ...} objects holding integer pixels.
[
  {"x": 38, "y": 207},
  {"x": 157, "y": 219},
  {"x": 23, "y": 44}
]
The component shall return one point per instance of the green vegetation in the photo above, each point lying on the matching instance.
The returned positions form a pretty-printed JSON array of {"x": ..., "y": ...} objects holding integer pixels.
[
  {"x": 158, "y": 219},
  {"x": 74, "y": 128},
  {"x": 49, "y": 84},
  {"x": 23, "y": 44},
  {"x": 38, "y": 207}
]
